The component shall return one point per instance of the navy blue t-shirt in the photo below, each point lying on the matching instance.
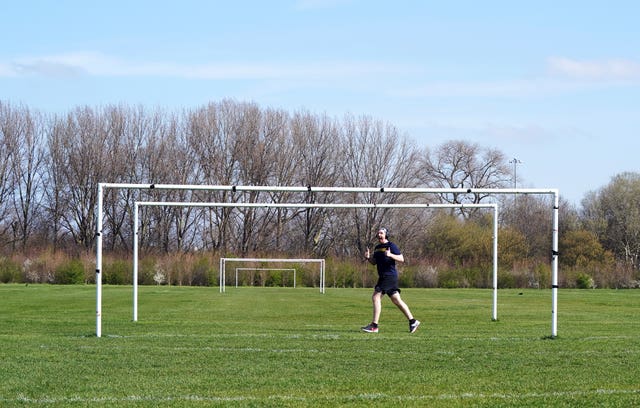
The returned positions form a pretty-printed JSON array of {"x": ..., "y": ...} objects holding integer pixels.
[{"x": 386, "y": 266}]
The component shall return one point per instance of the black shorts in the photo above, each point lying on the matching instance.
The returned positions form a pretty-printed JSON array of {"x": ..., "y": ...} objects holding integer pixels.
[{"x": 387, "y": 285}]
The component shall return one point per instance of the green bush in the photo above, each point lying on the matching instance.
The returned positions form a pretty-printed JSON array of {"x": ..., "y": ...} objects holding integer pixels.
[
  {"x": 146, "y": 271},
  {"x": 450, "y": 279},
  {"x": 9, "y": 271},
  {"x": 344, "y": 276},
  {"x": 584, "y": 281},
  {"x": 506, "y": 280},
  {"x": 69, "y": 273},
  {"x": 541, "y": 276},
  {"x": 405, "y": 277},
  {"x": 311, "y": 277},
  {"x": 202, "y": 272},
  {"x": 273, "y": 279},
  {"x": 117, "y": 272}
]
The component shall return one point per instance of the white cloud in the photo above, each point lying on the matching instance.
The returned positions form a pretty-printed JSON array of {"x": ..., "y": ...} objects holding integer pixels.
[
  {"x": 47, "y": 68},
  {"x": 97, "y": 64},
  {"x": 582, "y": 74},
  {"x": 607, "y": 70},
  {"x": 57, "y": 66},
  {"x": 6, "y": 70},
  {"x": 509, "y": 88}
]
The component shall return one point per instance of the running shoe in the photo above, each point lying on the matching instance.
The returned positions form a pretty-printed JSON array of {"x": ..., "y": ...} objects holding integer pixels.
[
  {"x": 413, "y": 327},
  {"x": 370, "y": 328}
]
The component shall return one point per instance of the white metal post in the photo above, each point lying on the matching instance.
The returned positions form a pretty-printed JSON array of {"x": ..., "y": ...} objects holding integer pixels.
[
  {"x": 322, "y": 274},
  {"x": 135, "y": 262},
  {"x": 554, "y": 268},
  {"x": 220, "y": 280},
  {"x": 495, "y": 262},
  {"x": 99, "y": 263}
]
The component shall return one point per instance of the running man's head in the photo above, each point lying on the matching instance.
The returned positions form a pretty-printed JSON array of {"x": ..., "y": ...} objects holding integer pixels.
[{"x": 383, "y": 234}]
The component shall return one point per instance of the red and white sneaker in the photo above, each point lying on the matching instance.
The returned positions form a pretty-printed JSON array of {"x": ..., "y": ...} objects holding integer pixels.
[{"x": 370, "y": 328}]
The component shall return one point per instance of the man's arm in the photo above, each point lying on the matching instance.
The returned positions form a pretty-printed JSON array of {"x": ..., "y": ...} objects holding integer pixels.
[
  {"x": 368, "y": 257},
  {"x": 395, "y": 257}
]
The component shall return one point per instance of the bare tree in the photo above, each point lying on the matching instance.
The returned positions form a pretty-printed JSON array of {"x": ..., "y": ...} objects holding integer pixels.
[
  {"x": 315, "y": 142},
  {"x": 264, "y": 145},
  {"x": 613, "y": 214},
  {"x": 460, "y": 164},
  {"x": 168, "y": 161},
  {"x": 55, "y": 181},
  {"x": 26, "y": 169},
  {"x": 77, "y": 148},
  {"x": 530, "y": 215},
  {"x": 9, "y": 119},
  {"x": 213, "y": 136},
  {"x": 375, "y": 155},
  {"x": 122, "y": 147}
]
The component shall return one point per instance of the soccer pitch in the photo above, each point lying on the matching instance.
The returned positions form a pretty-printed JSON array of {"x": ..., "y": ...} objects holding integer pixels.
[{"x": 275, "y": 347}]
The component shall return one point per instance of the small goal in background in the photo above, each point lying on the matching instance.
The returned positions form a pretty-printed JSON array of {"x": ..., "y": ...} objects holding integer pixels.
[{"x": 224, "y": 261}]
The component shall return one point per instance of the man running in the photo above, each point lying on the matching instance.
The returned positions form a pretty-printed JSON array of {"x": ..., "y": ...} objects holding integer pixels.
[{"x": 385, "y": 255}]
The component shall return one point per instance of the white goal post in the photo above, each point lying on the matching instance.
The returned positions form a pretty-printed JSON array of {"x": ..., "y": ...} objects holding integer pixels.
[
  {"x": 223, "y": 268},
  {"x": 311, "y": 189},
  {"x": 138, "y": 204}
]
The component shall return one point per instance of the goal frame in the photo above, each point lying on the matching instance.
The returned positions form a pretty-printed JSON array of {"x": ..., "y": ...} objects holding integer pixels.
[
  {"x": 138, "y": 204},
  {"x": 223, "y": 262},
  {"x": 311, "y": 189}
]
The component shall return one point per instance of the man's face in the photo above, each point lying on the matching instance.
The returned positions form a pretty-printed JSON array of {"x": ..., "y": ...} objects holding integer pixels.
[{"x": 382, "y": 235}]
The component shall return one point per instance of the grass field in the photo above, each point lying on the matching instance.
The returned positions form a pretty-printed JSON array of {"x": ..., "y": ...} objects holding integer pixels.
[{"x": 274, "y": 347}]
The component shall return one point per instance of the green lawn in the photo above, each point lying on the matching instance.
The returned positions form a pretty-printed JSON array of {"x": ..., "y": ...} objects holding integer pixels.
[{"x": 279, "y": 347}]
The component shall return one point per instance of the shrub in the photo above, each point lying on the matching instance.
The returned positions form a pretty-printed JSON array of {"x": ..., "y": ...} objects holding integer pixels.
[
  {"x": 42, "y": 269},
  {"x": 116, "y": 273},
  {"x": 159, "y": 274},
  {"x": 451, "y": 279},
  {"x": 426, "y": 277},
  {"x": 506, "y": 280},
  {"x": 147, "y": 270},
  {"x": 69, "y": 273},
  {"x": 541, "y": 277},
  {"x": 9, "y": 271},
  {"x": 344, "y": 275},
  {"x": 202, "y": 272},
  {"x": 406, "y": 277},
  {"x": 29, "y": 272},
  {"x": 273, "y": 278},
  {"x": 584, "y": 281}
]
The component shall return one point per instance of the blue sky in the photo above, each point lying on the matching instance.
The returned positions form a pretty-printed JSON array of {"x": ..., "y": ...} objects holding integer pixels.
[{"x": 555, "y": 84}]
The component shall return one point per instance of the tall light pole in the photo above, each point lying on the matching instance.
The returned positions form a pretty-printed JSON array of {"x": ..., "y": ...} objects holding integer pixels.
[{"x": 515, "y": 163}]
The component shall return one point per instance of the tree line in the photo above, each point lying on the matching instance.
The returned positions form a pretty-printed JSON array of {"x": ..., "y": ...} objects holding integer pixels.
[{"x": 51, "y": 164}]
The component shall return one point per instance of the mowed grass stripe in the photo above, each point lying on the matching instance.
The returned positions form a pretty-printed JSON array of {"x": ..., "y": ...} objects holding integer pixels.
[
  {"x": 370, "y": 397},
  {"x": 297, "y": 347}
]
